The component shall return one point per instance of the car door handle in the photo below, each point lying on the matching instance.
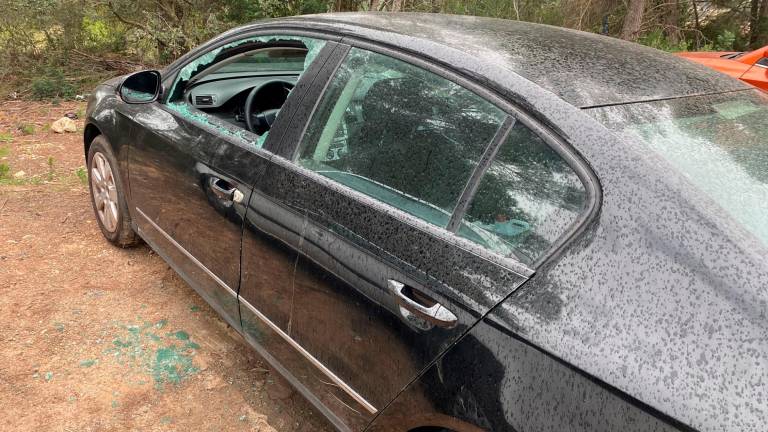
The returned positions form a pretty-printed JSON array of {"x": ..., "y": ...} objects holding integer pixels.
[
  {"x": 420, "y": 305},
  {"x": 224, "y": 190}
]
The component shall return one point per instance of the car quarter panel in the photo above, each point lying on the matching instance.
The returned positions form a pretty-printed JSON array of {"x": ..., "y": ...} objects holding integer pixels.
[{"x": 494, "y": 381}]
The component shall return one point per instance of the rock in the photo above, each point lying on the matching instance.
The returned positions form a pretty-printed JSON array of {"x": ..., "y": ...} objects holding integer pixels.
[
  {"x": 71, "y": 115},
  {"x": 64, "y": 124},
  {"x": 20, "y": 174}
]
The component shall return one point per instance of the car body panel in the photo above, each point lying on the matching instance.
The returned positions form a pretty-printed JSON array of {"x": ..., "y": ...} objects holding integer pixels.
[
  {"x": 170, "y": 175},
  {"x": 757, "y": 75},
  {"x": 494, "y": 381},
  {"x": 345, "y": 315},
  {"x": 744, "y": 66}
]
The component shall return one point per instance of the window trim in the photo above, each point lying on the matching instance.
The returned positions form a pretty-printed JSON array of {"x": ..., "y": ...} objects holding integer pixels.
[
  {"x": 473, "y": 183},
  {"x": 513, "y": 110}
]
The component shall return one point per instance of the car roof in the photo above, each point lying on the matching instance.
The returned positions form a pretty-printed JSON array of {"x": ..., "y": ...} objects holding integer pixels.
[{"x": 584, "y": 69}]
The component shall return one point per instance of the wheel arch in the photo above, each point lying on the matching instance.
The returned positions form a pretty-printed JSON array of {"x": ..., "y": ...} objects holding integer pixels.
[{"x": 89, "y": 134}]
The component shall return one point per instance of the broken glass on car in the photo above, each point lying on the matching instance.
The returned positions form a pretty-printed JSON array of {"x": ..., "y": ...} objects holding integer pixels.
[{"x": 213, "y": 88}]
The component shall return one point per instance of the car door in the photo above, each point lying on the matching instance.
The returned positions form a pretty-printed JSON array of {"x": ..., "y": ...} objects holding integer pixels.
[
  {"x": 367, "y": 193},
  {"x": 191, "y": 170}
]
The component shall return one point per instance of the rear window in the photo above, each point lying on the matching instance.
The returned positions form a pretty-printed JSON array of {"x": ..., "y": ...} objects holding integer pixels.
[{"x": 717, "y": 142}]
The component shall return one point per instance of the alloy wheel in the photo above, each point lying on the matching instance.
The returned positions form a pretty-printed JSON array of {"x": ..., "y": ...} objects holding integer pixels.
[{"x": 104, "y": 191}]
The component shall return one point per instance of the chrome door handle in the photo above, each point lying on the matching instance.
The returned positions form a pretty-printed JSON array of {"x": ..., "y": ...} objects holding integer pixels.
[
  {"x": 224, "y": 190},
  {"x": 435, "y": 313}
]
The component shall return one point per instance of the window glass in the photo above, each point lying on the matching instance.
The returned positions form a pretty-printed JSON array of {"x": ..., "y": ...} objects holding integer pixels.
[
  {"x": 400, "y": 134},
  {"x": 526, "y": 199},
  {"x": 717, "y": 142},
  {"x": 310, "y": 48}
]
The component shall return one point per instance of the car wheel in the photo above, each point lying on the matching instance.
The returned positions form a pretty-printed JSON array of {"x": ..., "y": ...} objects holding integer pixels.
[{"x": 108, "y": 195}]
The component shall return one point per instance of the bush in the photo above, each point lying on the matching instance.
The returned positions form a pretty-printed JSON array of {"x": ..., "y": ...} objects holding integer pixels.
[{"x": 51, "y": 83}]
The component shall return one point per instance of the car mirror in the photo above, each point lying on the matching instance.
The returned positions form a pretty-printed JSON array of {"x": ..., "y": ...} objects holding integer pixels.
[{"x": 140, "y": 87}]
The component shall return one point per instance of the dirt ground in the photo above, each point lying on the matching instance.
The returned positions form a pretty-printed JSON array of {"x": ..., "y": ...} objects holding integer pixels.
[{"x": 96, "y": 338}]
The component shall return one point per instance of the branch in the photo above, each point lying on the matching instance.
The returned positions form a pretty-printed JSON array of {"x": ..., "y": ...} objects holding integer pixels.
[{"x": 127, "y": 21}]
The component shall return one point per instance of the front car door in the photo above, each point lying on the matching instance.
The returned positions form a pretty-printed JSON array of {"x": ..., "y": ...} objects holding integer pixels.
[{"x": 193, "y": 158}]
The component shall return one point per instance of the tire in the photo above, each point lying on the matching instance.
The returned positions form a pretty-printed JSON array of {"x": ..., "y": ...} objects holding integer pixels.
[{"x": 108, "y": 195}]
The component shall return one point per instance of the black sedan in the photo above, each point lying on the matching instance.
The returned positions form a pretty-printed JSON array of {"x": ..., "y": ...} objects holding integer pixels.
[{"x": 445, "y": 223}]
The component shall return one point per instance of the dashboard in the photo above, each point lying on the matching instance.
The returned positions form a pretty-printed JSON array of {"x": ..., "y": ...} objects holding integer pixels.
[{"x": 218, "y": 89}]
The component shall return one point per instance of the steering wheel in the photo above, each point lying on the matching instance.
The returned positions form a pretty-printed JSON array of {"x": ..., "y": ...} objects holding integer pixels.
[{"x": 262, "y": 120}]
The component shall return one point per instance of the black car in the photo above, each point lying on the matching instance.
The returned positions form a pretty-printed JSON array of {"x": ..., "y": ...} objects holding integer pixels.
[{"x": 431, "y": 223}]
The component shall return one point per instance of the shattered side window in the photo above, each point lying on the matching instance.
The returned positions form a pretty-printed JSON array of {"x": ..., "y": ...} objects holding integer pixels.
[
  {"x": 195, "y": 67},
  {"x": 234, "y": 58}
]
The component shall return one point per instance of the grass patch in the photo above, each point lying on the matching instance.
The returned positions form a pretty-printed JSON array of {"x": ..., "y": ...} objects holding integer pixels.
[
  {"x": 13, "y": 181},
  {"x": 51, "y": 168},
  {"x": 5, "y": 169},
  {"x": 27, "y": 128},
  {"x": 82, "y": 175},
  {"x": 6, "y": 137},
  {"x": 4, "y": 151}
]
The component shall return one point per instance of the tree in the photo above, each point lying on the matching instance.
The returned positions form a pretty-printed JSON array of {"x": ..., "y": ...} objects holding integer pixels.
[
  {"x": 758, "y": 23},
  {"x": 633, "y": 21}
]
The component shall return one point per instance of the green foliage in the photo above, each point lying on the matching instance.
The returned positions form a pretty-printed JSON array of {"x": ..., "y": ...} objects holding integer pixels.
[
  {"x": 27, "y": 128},
  {"x": 51, "y": 83},
  {"x": 657, "y": 39},
  {"x": 51, "y": 168},
  {"x": 100, "y": 35},
  {"x": 5, "y": 137},
  {"x": 5, "y": 169},
  {"x": 725, "y": 40},
  {"x": 81, "y": 174}
]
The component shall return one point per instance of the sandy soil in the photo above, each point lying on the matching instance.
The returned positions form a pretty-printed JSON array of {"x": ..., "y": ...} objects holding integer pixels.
[{"x": 96, "y": 338}]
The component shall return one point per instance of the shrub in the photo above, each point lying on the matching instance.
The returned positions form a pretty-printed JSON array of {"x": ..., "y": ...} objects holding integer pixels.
[{"x": 51, "y": 83}]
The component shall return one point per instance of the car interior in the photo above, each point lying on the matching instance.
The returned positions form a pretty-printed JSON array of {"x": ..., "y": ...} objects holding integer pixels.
[{"x": 247, "y": 84}]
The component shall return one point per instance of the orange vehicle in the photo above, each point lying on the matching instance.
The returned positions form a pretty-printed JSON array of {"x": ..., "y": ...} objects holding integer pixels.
[{"x": 750, "y": 67}]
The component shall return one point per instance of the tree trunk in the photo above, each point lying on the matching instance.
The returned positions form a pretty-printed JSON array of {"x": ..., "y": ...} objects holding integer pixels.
[
  {"x": 754, "y": 21},
  {"x": 761, "y": 29},
  {"x": 672, "y": 22},
  {"x": 633, "y": 20}
]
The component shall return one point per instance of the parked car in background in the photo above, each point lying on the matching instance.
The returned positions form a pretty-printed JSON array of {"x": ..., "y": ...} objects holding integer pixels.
[
  {"x": 448, "y": 223},
  {"x": 750, "y": 67}
]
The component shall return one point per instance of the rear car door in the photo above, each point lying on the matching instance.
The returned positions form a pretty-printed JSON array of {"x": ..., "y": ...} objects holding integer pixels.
[
  {"x": 368, "y": 193},
  {"x": 192, "y": 162}
]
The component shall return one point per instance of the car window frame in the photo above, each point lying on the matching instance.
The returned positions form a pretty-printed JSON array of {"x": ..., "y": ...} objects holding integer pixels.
[{"x": 288, "y": 154}]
